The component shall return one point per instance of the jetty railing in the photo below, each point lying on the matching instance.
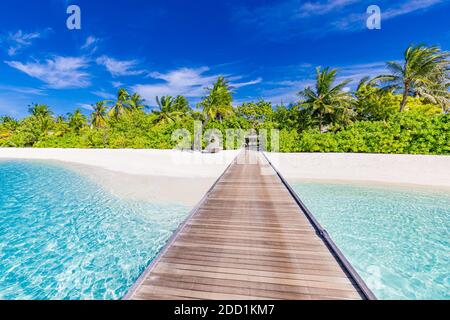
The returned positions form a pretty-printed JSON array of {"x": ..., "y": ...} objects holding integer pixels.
[{"x": 324, "y": 235}]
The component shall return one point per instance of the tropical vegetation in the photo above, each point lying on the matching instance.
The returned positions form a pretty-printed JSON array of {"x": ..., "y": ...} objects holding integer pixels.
[{"x": 404, "y": 111}]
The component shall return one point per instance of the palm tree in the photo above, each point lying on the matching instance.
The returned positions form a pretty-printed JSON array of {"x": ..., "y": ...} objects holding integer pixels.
[
  {"x": 181, "y": 104},
  {"x": 98, "y": 117},
  {"x": 218, "y": 103},
  {"x": 44, "y": 117},
  {"x": 9, "y": 123},
  {"x": 165, "y": 103},
  {"x": 61, "y": 126},
  {"x": 424, "y": 72},
  {"x": 60, "y": 119},
  {"x": 40, "y": 110},
  {"x": 437, "y": 93},
  {"x": 326, "y": 98},
  {"x": 136, "y": 102},
  {"x": 77, "y": 120},
  {"x": 120, "y": 105},
  {"x": 167, "y": 112}
]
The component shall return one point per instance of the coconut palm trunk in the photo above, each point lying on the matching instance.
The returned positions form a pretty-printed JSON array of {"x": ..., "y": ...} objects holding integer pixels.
[
  {"x": 405, "y": 97},
  {"x": 321, "y": 122}
]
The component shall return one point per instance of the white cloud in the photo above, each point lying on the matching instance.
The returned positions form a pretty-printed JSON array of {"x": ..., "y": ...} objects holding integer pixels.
[
  {"x": 23, "y": 90},
  {"x": 189, "y": 82},
  {"x": 359, "y": 71},
  {"x": 104, "y": 94},
  {"x": 19, "y": 40},
  {"x": 286, "y": 91},
  {"x": 322, "y": 7},
  {"x": 356, "y": 21},
  {"x": 85, "y": 106},
  {"x": 409, "y": 7},
  {"x": 119, "y": 68},
  {"x": 90, "y": 43},
  {"x": 245, "y": 84},
  {"x": 284, "y": 20},
  {"x": 117, "y": 84},
  {"x": 57, "y": 73}
]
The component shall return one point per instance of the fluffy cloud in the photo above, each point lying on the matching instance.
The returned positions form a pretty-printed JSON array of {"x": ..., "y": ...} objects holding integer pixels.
[
  {"x": 103, "y": 94},
  {"x": 117, "y": 84},
  {"x": 358, "y": 71},
  {"x": 189, "y": 82},
  {"x": 90, "y": 44},
  {"x": 407, "y": 7},
  {"x": 119, "y": 68},
  {"x": 245, "y": 84},
  {"x": 23, "y": 90},
  {"x": 286, "y": 19},
  {"x": 85, "y": 106},
  {"x": 19, "y": 40},
  {"x": 57, "y": 73}
]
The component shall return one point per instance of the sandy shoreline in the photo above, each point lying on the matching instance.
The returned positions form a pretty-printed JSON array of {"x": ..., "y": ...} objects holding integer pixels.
[
  {"x": 184, "y": 177},
  {"x": 151, "y": 175},
  {"x": 414, "y": 171}
]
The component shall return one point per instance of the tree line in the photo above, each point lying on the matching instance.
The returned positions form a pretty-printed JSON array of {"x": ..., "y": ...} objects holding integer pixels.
[{"x": 414, "y": 91}]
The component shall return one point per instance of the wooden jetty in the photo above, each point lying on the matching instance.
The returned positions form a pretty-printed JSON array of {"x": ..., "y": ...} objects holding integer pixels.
[{"x": 250, "y": 238}]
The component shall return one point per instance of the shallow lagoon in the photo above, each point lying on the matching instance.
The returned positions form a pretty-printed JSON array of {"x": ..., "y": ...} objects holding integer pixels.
[
  {"x": 64, "y": 237},
  {"x": 397, "y": 239}
]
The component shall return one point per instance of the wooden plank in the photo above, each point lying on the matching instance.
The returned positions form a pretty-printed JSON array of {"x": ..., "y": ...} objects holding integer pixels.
[
  {"x": 247, "y": 240},
  {"x": 268, "y": 253},
  {"x": 255, "y": 285},
  {"x": 264, "y": 276}
]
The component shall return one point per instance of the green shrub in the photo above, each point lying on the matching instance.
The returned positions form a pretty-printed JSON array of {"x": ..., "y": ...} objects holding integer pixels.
[{"x": 407, "y": 133}]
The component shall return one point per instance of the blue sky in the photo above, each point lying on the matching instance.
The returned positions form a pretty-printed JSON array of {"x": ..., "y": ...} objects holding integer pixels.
[{"x": 267, "y": 49}]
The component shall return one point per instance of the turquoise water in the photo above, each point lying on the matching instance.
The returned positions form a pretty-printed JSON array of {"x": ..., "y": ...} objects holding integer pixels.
[
  {"x": 398, "y": 240},
  {"x": 64, "y": 237}
]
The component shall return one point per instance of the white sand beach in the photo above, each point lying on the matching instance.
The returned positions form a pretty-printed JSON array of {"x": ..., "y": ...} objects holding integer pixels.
[
  {"x": 184, "y": 177},
  {"x": 411, "y": 170},
  {"x": 152, "y": 175}
]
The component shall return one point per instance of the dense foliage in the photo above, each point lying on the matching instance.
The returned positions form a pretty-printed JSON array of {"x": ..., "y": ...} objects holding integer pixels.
[{"x": 405, "y": 112}]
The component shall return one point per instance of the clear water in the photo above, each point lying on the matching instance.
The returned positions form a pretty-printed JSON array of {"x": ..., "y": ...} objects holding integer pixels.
[
  {"x": 398, "y": 240},
  {"x": 64, "y": 237}
]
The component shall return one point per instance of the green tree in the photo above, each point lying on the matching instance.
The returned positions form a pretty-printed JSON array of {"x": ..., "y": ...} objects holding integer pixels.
[
  {"x": 120, "y": 106},
  {"x": 284, "y": 117},
  {"x": 423, "y": 72},
  {"x": 218, "y": 103},
  {"x": 256, "y": 113},
  {"x": 60, "y": 119},
  {"x": 326, "y": 99},
  {"x": 77, "y": 120},
  {"x": 9, "y": 123},
  {"x": 40, "y": 111},
  {"x": 42, "y": 116},
  {"x": 437, "y": 93},
  {"x": 136, "y": 102},
  {"x": 167, "y": 112},
  {"x": 98, "y": 117},
  {"x": 181, "y": 104},
  {"x": 372, "y": 103}
]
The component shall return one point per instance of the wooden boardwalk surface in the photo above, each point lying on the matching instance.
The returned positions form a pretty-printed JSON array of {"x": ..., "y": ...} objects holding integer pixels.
[{"x": 250, "y": 240}]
